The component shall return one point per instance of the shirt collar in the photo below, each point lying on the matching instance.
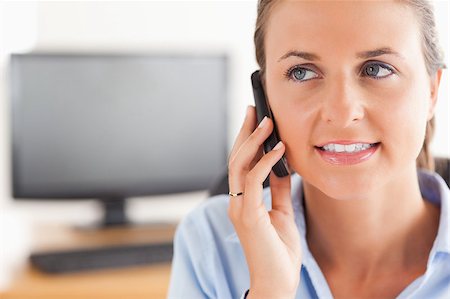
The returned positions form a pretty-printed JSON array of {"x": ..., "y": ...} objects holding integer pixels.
[{"x": 435, "y": 190}]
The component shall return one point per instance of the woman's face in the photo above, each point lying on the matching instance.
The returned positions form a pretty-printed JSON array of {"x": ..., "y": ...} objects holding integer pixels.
[{"x": 355, "y": 73}]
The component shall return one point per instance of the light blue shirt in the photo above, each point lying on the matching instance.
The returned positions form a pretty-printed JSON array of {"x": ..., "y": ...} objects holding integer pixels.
[{"x": 209, "y": 262}]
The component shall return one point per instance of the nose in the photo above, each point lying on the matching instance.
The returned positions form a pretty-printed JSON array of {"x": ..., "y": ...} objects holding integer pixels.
[{"x": 342, "y": 105}]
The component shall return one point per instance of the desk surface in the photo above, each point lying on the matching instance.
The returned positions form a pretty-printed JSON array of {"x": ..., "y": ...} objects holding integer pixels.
[
  {"x": 134, "y": 283},
  {"x": 131, "y": 283}
]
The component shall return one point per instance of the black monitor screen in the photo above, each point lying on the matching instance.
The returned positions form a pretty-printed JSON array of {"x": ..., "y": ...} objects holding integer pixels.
[{"x": 98, "y": 125}]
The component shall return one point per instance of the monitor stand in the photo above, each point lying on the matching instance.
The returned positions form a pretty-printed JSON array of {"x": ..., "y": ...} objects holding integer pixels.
[
  {"x": 115, "y": 216},
  {"x": 114, "y": 212}
]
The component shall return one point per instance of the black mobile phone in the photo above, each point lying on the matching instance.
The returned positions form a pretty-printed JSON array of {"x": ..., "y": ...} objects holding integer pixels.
[{"x": 281, "y": 168}]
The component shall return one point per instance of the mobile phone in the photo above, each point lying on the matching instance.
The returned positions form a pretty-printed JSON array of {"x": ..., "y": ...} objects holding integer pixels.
[{"x": 281, "y": 168}]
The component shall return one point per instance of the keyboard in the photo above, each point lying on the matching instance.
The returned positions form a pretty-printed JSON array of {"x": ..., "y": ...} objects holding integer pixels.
[{"x": 102, "y": 257}]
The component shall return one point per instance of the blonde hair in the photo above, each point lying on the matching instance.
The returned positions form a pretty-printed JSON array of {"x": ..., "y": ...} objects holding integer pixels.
[{"x": 434, "y": 58}]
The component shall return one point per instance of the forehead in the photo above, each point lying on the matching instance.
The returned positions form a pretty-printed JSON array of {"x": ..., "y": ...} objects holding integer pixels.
[{"x": 343, "y": 27}]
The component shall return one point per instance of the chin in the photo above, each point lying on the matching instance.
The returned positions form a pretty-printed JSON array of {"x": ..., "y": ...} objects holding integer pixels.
[
  {"x": 345, "y": 195},
  {"x": 343, "y": 186},
  {"x": 356, "y": 189}
]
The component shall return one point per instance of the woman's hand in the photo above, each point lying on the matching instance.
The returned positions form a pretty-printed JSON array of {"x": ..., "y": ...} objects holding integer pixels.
[{"x": 270, "y": 240}]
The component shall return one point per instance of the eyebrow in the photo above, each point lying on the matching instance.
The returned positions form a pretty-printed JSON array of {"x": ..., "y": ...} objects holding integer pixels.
[
  {"x": 378, "y": 52},
  {"x": 300, "y": 54},
  {"x": 361, "y": 55}
]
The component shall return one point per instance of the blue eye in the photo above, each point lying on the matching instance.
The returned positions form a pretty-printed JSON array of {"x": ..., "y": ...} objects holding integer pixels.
[
  {"x": 297, "y": 73},
  {"x": 377, "y": 70}
]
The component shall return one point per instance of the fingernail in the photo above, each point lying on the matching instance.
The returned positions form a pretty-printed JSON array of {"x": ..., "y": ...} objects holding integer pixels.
[
  {"x": 263, "y": 122},
  {"x": 278, "y": 146}
]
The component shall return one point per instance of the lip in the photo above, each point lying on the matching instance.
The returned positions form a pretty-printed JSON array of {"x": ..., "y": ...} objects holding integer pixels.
[
  {"x": 344, "y": 142},
  {"x": 344, "y": 158}
]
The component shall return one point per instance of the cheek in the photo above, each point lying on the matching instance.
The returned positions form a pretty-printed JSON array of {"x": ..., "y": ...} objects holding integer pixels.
[
  {"x": 295, "y": 110},
  {"x": 295, "y": 125},
  {"x": 406, "y": 125},
  {"x": 402, "y": 112}
]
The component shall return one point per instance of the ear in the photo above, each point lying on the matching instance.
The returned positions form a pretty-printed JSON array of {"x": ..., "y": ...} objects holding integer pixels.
[{"x": 434, "y": 88}]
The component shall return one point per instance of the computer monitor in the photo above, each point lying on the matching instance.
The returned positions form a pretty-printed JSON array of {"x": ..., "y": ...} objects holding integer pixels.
[{"x": 110, "y": 126}]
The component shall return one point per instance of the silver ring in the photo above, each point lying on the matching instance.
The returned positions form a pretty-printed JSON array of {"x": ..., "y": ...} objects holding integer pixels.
[{"x": 235, "y": 194}]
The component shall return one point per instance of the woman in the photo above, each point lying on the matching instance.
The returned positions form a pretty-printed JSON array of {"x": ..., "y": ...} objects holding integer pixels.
[{"x": 352, "y": 86}]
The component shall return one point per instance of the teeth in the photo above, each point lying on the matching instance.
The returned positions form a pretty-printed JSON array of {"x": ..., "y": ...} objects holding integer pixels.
[
  {"x": 348, "y": 148},
  {"x": 339, "y": 148},
  {"x": 329, "y": 147}
]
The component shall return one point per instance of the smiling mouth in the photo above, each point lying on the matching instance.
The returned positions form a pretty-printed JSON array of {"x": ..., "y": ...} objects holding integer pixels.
[
  {"x": 347, "y": 154},
  {"x": 346, "y": 148}
]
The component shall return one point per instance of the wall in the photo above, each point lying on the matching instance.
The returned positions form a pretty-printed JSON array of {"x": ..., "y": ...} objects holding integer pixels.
[
  {"x": 223, "y": 27},
  {"x": 182, "y": 26}
]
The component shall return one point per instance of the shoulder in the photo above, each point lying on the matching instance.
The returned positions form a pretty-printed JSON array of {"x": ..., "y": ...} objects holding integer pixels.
[
  {"x": 211, "y": 212},
  {"x": 208, "y": 259},
  {"x": 433, "y": 187},
  {"x": 206, "y": 224}
]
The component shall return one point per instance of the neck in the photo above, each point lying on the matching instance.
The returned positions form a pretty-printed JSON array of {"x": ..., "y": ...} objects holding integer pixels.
[{"x": 393, "y": 227}]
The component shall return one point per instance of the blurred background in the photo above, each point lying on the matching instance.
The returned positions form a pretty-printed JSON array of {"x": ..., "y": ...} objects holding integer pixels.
[{"x": 180, "y": 65}]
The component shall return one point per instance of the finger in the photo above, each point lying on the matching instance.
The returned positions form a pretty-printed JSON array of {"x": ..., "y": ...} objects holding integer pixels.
[
  {"x": 255, "y": 178},
  {"x": 246, "y": 130},
  {"x": 252, "y": 146},
  {"x": 280, "y": 189},
  {"x": 235, "y": 184},
  {"x": 244, "y": 160}
]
